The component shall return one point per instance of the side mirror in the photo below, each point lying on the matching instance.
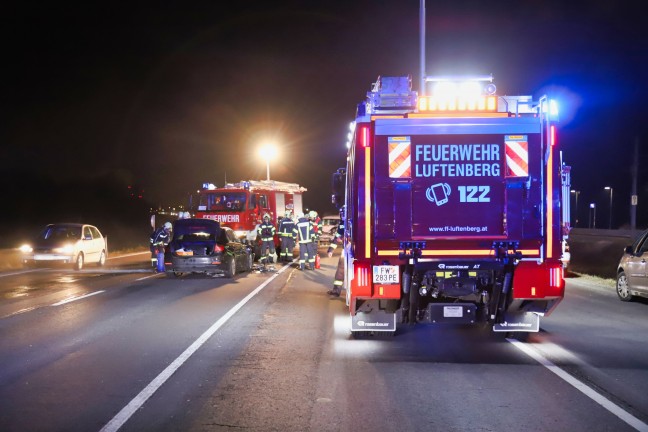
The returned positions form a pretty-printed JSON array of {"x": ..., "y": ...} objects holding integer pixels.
[{"x": 628, "y": 250}]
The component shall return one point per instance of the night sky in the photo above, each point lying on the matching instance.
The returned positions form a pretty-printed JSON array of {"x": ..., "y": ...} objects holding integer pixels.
[{"x": 164, "y": 97}]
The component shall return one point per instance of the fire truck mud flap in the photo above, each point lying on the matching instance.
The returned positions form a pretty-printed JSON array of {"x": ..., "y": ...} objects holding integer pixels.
[
  {"x": 519, "y": 322},
  {"x": 376, "y": 321}
]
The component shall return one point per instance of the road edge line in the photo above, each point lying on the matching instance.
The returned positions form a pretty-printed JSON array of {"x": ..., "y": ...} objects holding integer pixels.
[{"x": 582, "y": 387}]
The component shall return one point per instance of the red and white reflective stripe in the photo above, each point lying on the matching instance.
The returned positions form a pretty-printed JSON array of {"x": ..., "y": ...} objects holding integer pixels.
[
  {"x": 400, "y": 164},
  {"x": 517, "y": 158}
]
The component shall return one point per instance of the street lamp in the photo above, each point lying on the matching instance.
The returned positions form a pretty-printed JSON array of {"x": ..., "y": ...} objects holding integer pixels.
[
  {"x": 611, "y": 192},
  {"x": 576, "y": 193},
  {"x": 592, "y": 212},
  {"x": 268, "y": 152}
]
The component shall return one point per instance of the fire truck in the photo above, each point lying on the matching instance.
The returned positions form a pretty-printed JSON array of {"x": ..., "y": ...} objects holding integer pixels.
[
  {"x": 241, "y": 205},
  {"x": 456, "y": 207}
]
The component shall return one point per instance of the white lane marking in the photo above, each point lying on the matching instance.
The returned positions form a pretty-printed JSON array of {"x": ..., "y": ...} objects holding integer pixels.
[
  {"x": 21, "y": 272},
  {"x": 75, "y": 298},
  {"x": 18, "y": 312},
  {"x": 588, "y": 391},
  {"x": 148, "y": 277},
  {"x": 128, "y": 255},
  {"x": 122, "y": 416}
]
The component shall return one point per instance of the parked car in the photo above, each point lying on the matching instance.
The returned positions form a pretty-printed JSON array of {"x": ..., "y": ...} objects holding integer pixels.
[
  {"x": 69, "y": 243},
  {"x": 204, "y": 246},
  {"x": 632, "y": 273},
  {"x": 329, "y": 227}
]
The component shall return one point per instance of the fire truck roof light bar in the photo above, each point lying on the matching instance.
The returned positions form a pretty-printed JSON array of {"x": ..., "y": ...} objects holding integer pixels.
[{"x": 443, "y": 78}]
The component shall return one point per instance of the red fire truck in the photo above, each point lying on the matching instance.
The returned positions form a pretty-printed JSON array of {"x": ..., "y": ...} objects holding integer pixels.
[
  {"x": 456, "y": 207},
  {"x": 241, "y": 206}
]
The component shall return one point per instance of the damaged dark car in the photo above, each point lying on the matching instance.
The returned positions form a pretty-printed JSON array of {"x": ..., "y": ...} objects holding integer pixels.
[{"x": 204, "y": 246}]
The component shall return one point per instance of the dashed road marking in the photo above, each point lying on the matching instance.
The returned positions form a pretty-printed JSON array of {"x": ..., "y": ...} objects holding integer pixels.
[{"x": 75, "y": 298}]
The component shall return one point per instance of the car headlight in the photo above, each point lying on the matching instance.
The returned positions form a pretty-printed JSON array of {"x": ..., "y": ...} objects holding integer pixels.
[
  {"x": 26, "y": 248},
  {"x": 67, "y": 249}
]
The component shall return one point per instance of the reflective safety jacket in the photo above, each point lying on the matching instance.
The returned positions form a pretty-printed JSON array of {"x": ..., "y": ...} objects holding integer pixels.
[
  {"x": 286, "y": 227},
  {"x": 304, "y": 230},
  {"x": 266, "y": 231},
  {"x": 160, "y": 237},
  {"x": 317, "y": 226}
]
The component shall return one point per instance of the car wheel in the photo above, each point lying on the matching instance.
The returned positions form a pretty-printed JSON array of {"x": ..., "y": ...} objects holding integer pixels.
[
  {"x": 102, "y": 259},
  {"x": 231, "y": 268},
  {"x": 78, "y": 265},
  {"x": 622, "y": 287},
  {"x": 250, "y": 262}
]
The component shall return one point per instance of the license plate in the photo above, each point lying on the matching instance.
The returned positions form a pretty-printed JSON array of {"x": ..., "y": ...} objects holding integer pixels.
[
  {"x": 386, "y": 275},
  {"x": 453, "y": 311}
]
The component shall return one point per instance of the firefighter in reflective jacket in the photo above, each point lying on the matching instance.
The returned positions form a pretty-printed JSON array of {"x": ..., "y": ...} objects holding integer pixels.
[
  {"x": 305, "y": 235},
  {"x": 267, "y": 231},
  {"x": 159, "y": 239},
  {"x": 287, "y": 236},
  {"x": 317, "y": 225},
  {"x": 338, "y": 281}
]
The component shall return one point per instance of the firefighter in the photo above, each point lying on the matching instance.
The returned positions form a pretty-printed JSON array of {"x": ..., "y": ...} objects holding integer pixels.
[
  {"x": 317, "y": 225},
  {"x": 286, "y": 228},
  {"x": 338, "y": 280},
  {"x": 159, "y": 241},
  {"x": 305, "y": 234},
  {"x": 267, "y": 231}
]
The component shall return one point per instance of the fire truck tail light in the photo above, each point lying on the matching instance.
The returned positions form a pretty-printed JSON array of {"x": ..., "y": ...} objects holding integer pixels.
[
  {"x": 532, "y": 280},
  {"x": 555, "y": 277},
  {"x": 363, "y": 136},
  {"x": 361, "y": 283}
]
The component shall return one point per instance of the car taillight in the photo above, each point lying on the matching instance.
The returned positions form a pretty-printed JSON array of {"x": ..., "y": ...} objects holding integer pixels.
[{"x": 218, "y": 248}]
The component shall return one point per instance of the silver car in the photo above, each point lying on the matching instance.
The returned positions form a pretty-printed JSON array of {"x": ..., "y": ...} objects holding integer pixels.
[
  {"x": 68, "y": 243},
  {"x": 632, "y": 273}
]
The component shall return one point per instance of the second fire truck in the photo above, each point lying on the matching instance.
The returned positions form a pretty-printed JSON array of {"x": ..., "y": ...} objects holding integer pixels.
[{"x": 241, "y": 205}]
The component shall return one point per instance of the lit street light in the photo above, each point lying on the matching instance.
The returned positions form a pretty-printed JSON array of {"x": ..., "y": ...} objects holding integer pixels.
[
  {"x": 576, "y": 193},
  {"x": 268, "y": 152},
  {"x": 592, "y": 212},
  {"x": 611, "y": 192}
]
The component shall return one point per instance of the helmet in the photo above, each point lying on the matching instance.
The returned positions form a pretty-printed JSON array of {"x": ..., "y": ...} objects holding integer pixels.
[
  {"x": 266, "y": 216},
  {"x": 167, "y": 225},
  {"x": 312, "y": 214},
  {"x": 300, "y": 215}
]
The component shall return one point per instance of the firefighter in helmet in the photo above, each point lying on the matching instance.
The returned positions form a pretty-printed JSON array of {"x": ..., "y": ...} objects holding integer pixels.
[
  {"x": 317, "y": 225},
  {"x": 305, "y": 236},
  {"x": 266, "y": 231},
  {"x": 338, "y": 281},
  {"x": 159, "y": 240},
  {"x": 287, "y": 236}
]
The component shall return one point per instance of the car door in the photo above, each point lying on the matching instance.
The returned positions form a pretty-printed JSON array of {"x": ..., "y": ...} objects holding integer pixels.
[
  {"x": 636, "y": 266},
  {"x": 89, "y": 245},
  {"x": 235, "y": 247},
  {"x": 99, "y": 241}
]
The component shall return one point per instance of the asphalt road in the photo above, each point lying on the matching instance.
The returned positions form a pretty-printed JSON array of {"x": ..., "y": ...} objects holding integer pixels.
[{"x": 121, "y": 348}]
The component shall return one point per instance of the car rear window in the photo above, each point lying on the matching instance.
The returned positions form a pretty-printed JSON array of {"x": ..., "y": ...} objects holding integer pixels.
[{"x": 196, "y": 231}]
